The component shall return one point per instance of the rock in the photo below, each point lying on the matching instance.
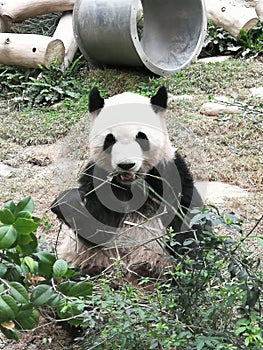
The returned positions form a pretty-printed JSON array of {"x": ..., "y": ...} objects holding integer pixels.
[
  {"x": 179, "y": 97},
  {"x": 214, "y": 59},
  {"x": 6, "y": 170},
  {"x": 217, "y": 192},
  {"x": 257, "y": 91},
  {"x": 213, "y": 109}
]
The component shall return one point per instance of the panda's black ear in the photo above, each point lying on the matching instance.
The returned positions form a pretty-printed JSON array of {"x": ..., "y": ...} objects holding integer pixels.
[
  {"x": 159, "y": 100},
  {"x": 96, "y": 102}
]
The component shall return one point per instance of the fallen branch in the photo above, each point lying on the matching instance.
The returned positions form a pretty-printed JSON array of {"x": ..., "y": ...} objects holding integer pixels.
[
  {"x": 214, "y": 109},
  {"x": 232, "y": 107}
]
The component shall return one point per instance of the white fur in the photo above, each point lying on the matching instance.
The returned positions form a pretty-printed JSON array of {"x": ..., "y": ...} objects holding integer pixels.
[
  {"x": 124, "y": 116},
  {"x": 126, "y": 98},
  {"x": 127, "y": 152}
]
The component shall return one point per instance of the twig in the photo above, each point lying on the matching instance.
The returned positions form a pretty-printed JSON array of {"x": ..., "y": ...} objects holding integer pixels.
[
  {"x": 244, "y": 108},
  {"x": 249, "y": 233}
]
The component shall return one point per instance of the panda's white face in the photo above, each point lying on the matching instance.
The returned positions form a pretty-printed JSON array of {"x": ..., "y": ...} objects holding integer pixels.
[
  {"x": 129, "y": 139},
  {"x": 127, "y": 156}
]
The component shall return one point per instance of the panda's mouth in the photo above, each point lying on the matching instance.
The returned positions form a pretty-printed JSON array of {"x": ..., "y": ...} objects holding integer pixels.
[{"x": 127, "y": 176}]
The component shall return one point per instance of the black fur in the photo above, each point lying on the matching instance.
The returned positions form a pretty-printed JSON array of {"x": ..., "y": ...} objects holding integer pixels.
[
  {"x": 159, "y": 100},
  {"x": 143, "y": 141},
  {"x": 71, "y": 206},
  {"x": 108, "y": 142},
  {"x": 96, "y": 102}
]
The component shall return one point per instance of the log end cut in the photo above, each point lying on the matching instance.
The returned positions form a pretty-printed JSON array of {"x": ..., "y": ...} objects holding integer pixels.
[{"x": 55, "y": 52}]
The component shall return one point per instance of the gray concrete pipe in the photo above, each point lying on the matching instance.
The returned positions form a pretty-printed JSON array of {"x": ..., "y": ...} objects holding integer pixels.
[{"x": 172, "y": 35}]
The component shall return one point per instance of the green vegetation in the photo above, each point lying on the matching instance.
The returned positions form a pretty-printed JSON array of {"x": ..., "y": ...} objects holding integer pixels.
[
  {"x": 25, "y": 88},
  {"x": 31, "y": 277},
  {"x": 219, "y": 42},
  {"x": 40, "y": 87},
  {"x": 211, "y": 301}
]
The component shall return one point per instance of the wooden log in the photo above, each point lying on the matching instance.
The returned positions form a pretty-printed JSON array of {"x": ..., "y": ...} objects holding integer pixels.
[
  {"x": 64, "y": 32},
  {"x": 232, "y": 15},
  {"x": 3, "y": 25},
  {"x": 258, "y": 4},
  {"x": 30, "y": 50},
  {"x": 19, "y": 10}
]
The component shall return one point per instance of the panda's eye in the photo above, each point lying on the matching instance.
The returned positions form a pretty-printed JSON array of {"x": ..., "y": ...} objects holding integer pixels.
[
  {"x": 143, "y": 141},
  {"x": 108, "y": 142}
]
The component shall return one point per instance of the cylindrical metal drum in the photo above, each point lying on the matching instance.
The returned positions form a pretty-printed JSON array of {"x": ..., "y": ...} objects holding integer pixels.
[{"x": 171, "y": 36}]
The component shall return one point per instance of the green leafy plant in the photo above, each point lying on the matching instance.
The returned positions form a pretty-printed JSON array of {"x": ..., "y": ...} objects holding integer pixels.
[
  {"x": 209, "y": 301},
  {"x": 51, "y": 86},
  {"x": 220, "y": 42},
  {"x": 29, "y": 277},
  {"x": 148, "y": 89},
  {"x": 251, "y": 40},
  {"x": 43, "y": 86}
]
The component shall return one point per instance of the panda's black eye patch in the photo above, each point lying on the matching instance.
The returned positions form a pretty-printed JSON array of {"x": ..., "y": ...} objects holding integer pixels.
[
  {"x": 143, "y": 141},
  {"x": 108, "y": 142}
]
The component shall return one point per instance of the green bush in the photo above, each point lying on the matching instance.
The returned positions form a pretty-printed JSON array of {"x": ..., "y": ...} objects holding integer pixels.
[
  {"x": 29, "y": 277},
  {"x": 212, "y": 301}
]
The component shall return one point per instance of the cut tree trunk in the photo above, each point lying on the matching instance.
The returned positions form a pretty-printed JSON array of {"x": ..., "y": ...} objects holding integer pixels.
[
  {"x": 64, "y": 32},
  {"x": 3, "y": 25},
  {"x": 19, "y": 10},
  {"x": 30, "y": 50},
  {"x": 232, "y": 15}
]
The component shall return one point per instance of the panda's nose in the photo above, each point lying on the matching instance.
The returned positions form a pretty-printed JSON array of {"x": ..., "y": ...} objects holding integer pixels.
[{"x": 126, "y": 166}]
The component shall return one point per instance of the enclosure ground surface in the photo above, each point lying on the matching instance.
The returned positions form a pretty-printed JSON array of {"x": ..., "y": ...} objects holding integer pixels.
[{"x": 45, "y": 150}]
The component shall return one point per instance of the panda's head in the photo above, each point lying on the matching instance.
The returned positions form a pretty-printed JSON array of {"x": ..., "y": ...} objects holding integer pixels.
[{"x": 128, "y": 136}]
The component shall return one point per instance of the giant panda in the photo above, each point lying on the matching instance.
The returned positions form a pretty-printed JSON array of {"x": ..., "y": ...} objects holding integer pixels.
[{"x": 134, "y": 199}]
